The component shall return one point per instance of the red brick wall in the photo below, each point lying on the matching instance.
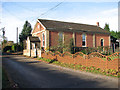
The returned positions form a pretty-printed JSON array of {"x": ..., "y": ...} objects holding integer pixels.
[
  {"x": 53, "y": 38},
  {"x": 78, "y": 40},
  {"x": 67, "y": 37},
  {"x": 95, "y": 60},
  {"x": 40, "y": 33},
  {"x": 105, "y": 37},
  {"x": 41, "y": 38},
  {"x": 89, "y": 40},
  {"x": 36, "y": 29}
]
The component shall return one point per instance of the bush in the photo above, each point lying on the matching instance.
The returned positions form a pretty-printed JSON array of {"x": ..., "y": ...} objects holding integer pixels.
[
  {"x": 5, "y": 49},
  {"x": 14, "y": 48},
  {"x": 71, "y": 46},
  {"x": 88, "y": 50}
]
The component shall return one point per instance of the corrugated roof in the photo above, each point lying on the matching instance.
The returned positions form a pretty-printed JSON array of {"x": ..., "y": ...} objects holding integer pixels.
[
  {"x": 34, "y": 39},
  {"x": 70, "y": 26}
]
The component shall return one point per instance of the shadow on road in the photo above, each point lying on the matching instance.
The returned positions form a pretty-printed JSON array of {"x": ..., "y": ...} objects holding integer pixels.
[{"x": 36, "y": 74}]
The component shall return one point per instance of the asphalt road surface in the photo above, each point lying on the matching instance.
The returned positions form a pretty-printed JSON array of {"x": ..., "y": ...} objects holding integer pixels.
[{"x": 31, "y": 73}]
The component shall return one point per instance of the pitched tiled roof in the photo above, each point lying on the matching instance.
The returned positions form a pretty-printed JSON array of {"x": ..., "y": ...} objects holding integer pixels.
[
  {"x": 34, "y": 39},
  {"x": 69, "y": 26}
]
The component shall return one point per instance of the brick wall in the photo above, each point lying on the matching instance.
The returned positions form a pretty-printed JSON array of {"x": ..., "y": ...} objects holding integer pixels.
[
  {"x": 98, "y": 38},
  {"x": 78, "y": 40},
  {"x": 36, "y": 29},
  {"x": 89, "y": 40},
  {"x": 67, "y": 37},
  {"x": 97, "y": 60},
  {"x": 53, "y": 38}
]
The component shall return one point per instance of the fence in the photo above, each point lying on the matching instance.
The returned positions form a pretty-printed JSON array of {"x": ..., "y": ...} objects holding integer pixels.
[{"x": 94, "y": 59}]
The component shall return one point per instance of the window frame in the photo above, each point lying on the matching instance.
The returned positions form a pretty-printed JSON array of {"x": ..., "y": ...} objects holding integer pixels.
[
  {"x": 38, "y": 26},
  {"x": 84, "y": 40},
  {"x": 60, "y": 36},
  {"x": 100, "y": 42}
]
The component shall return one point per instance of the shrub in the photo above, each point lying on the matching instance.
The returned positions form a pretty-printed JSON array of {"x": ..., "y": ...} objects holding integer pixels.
[
  {"x": 85, "y": 50},
  {"x": 71, "y": 46},
  {"x": 14, "y": 47},
  {"x": 5, "y": 49}
]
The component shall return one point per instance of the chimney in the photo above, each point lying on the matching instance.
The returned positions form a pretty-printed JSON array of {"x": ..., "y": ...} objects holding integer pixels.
[{"x": 97, "y": 24}]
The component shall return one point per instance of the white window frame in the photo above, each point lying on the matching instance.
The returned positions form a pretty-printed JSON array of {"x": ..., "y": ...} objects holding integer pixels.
[{"x": 82, "y": 40}]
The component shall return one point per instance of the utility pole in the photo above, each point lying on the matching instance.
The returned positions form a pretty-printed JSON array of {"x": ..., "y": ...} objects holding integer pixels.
[
  {"x": 3, "y": 30},
  {"x": 3, "y": 36},
  {"x": 17, "y": 38}
]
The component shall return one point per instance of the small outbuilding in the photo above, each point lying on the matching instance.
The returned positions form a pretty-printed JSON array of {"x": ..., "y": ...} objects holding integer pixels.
[{"x": 32, "y": 46}]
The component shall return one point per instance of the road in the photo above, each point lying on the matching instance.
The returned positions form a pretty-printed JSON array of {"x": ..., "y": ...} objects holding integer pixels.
[{"x": 31, "y": 73}]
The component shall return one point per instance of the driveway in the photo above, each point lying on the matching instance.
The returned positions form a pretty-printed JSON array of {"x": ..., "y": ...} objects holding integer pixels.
[{"x": 31, "y": 73}]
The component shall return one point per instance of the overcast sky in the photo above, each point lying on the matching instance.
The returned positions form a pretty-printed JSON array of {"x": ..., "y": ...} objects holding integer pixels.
[{"x": 14, "y": 14}]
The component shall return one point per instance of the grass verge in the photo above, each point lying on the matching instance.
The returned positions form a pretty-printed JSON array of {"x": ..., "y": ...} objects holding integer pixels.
[{"x": 107, "y": 72}]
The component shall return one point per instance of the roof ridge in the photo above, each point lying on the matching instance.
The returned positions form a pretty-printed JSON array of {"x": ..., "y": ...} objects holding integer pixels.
[
  {"x": 67, "y": 25},
  {"x": 68, "y": 22}
]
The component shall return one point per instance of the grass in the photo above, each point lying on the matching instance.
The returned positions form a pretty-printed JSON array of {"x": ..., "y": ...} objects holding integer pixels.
[
  {"x": 108, "y": 72},
  {"x": 5, "y": 81},
  {"x": 110, "y": 58}
]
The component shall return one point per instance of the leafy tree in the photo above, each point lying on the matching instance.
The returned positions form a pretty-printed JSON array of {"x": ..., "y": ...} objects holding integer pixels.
[
  {"x": 4, "y": 43},
  {"x": 114, "y": 34},
  {"x": 118, "y": 35},
  {"x": 107, "y": 27},
  {"x": 26, "y": 31}
]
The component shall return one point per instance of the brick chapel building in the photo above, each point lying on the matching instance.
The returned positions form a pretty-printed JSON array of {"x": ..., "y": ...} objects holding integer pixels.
[{"x": 49, "y": 31}]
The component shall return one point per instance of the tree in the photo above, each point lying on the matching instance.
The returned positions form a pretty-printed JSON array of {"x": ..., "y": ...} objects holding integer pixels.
[
  {"x": 115, "y": 34},
  {"x": 118, "y": 35},
  {"x": 26, "y": 31},
  {"x": 107, "y": 27}
]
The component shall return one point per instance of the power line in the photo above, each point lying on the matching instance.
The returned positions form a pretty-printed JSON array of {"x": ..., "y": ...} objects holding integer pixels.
[
  {"x": 49, "y": 10},
  {"x": 12, "y": 14},
  {"x": 32, "y": 11}
]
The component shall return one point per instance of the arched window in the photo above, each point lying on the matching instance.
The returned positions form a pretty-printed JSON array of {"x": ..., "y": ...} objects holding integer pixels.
[
  {"x": 102, "y": 42},
  {"x": 43, "y": 36},
  {"x": 38, "y": 26}
]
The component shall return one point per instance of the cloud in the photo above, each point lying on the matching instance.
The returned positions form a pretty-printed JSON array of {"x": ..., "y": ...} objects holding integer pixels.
[
  {"x": 110, "y": 12},
  {"x": 107, "y": 16}
]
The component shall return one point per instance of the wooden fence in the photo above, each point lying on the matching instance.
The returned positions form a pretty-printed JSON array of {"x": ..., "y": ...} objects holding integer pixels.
[{"x": 94, "y": 59}]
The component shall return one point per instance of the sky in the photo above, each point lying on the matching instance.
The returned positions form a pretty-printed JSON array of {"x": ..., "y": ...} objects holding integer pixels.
[{"x": 14, "y": 14}]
